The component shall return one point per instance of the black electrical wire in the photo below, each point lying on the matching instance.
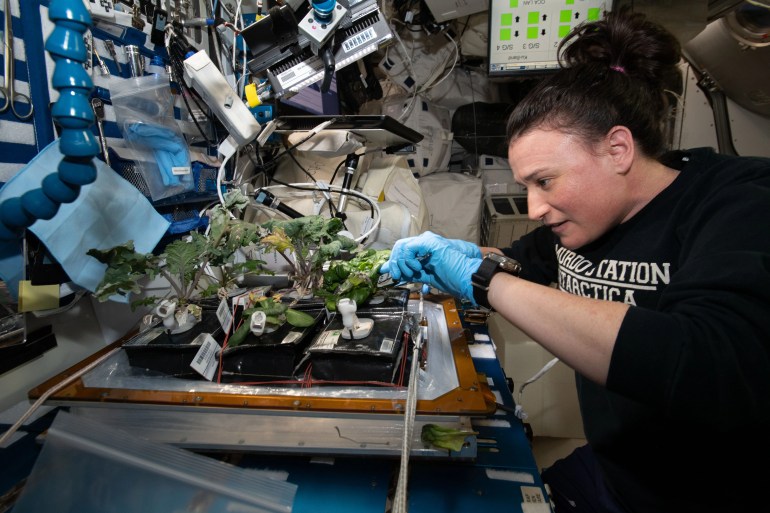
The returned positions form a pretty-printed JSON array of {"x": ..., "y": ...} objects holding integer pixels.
[
  {"x": 304, "y": 140},
  {"x": 339, "y": 166},
  {"x": 178, "y": 47},
  {"x": 274, "y": 158},
  {"x": 332, "y": 209},
  {"x": 264, "y": 168},
  {"x": 209, "y": 142},
  {"x": 258, "y": 166},
  {"x": 355, "y": 195}
]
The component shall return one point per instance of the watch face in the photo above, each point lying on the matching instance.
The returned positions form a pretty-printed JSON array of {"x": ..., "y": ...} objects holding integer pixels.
[{"x": 506, "y": 264}]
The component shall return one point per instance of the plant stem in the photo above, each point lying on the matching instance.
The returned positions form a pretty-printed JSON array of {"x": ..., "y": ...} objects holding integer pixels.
[
  {"x": 179, "y": 292},
  {"x": 197, "y": 277},
  {"x": 289, "y": 261}
]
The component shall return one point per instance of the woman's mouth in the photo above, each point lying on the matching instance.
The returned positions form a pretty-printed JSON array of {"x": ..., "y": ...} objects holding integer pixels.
[{"x": 555, "y": 226}]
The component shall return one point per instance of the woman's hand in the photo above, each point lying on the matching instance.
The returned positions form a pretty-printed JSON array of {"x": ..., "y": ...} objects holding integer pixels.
[{"x": 445, "y": 264}]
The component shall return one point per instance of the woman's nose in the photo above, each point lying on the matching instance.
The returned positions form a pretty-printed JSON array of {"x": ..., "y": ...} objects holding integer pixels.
[{"x": 536, "y": 207}]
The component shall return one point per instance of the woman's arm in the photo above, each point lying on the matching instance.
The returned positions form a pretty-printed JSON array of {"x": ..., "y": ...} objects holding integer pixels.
[
  {"x": 579, "y": 331},
  {"x": 486, "y": 249}
]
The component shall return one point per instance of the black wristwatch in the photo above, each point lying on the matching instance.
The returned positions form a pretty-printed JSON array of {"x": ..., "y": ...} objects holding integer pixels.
[{"x": 492, "y": 264}]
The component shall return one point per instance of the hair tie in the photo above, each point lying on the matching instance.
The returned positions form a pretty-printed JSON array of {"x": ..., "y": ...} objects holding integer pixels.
[{"x": 619, "y": 69}]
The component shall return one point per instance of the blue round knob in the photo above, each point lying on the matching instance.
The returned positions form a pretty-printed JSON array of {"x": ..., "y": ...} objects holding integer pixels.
[
  {"x": 69, "y": 14},
  {"x": 77, "y": 171},
  {"x": 70, "y": 74},
  {"x": 64, "y": 43},
  {"x": 13, "y": 215},
  {"x": 323, "y": 9},
  {"x": 60, "y": 191},
  {"x": 38, "y": 204}
]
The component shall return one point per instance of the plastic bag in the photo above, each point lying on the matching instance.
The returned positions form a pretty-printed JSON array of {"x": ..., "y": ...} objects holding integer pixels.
[{"x": 144, "y": 111}]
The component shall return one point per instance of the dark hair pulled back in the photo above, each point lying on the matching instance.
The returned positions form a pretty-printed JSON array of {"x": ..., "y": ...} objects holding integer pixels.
[{"x": 614, "y": 71}]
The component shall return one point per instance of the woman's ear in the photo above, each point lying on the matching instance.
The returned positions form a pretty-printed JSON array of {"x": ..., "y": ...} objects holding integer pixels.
[{"x": 621, "y": 147}]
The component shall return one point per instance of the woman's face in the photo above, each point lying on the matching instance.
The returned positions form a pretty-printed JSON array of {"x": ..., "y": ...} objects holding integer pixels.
[{"x": 578, "y": 192}]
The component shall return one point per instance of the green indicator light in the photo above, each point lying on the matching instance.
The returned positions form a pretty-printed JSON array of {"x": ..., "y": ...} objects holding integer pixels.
[
  {"x": 514, "y": 4},
  {"x": 532, "y": 32},
  {"x": 505, "y": 34},
  {"x": 570, "y": 2},
  {"x": 594, "y": 13},
  {"x": 565, "y": 16},
  {"x": 506, "y": 19},
  {"x": 563, "y": 31},
  {"x": 533, "y": 17}
]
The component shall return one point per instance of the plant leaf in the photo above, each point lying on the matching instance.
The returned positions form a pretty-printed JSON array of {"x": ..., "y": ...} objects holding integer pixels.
[
  {"x": 278, "y": 240},
  {"x": 182, "y": 257},
  {"x": 444, "y": 437},
  {"x": 298, "y": 318},
  {"x": 240, "y": 335}
]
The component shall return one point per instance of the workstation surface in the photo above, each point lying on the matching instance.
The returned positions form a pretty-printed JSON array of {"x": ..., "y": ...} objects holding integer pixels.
[{"x": 502, "y": 477}]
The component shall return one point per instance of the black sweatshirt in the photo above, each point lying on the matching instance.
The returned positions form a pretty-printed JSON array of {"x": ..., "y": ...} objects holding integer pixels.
[{"x": 686, "y": 408}]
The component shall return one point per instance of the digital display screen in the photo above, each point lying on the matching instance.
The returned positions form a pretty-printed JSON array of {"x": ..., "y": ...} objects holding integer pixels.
[
  {"x": 524, "y": 35},
  {"x": 312, "y": 101}
]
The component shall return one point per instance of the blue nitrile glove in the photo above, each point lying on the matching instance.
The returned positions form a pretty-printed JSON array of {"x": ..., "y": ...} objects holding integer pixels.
[
  {"x": 451, "y": 271},
  {"x": 406, "y": 254},
  {"x": 435, "y": 261},
  {"x": 167, "y": 147}
]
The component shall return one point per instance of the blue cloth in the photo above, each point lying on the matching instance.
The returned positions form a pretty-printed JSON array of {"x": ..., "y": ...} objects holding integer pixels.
[
  {"x": 185, "y": 225},
  {"x": 108, "y": 212},
  {"x": 168, "y": 148}
]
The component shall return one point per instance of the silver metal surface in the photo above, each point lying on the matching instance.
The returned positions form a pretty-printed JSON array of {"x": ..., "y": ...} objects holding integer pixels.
[
  {"x": 135, "y": 60},
  {"x": 684, "y": 18},
  {"x": 98, "y": 106},
  {"x": 276, "y": 431},
  {"x": 8, "y": 92},
  {"x": 741, "y": 73},
  {"x": 114, "y": 54}
]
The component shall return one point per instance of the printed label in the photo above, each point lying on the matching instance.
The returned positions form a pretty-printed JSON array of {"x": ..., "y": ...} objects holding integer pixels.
[
  {"x": 359, "y": 39},
  {"x": 180, "y": 170},
  {"x": 532, "y": 495},
  {"x": 205, "y": 360},
  {"x": 327, "y": 340},
  {"x": 387, "y": 345},
  {"x": 301, "y": 71},
  {"x": 224, "y": 315}
]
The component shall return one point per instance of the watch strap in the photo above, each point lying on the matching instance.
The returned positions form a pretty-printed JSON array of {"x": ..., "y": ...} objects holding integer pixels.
[{"x": 481, "y": 279}]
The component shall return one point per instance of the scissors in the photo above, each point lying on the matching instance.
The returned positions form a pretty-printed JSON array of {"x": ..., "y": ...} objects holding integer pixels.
[{"x": 8, "y": 91}]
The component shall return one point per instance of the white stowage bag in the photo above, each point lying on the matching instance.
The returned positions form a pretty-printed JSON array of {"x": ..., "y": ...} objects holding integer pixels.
[
  {"x": 403, "y": 213},
  {"x": 454, "y": 203},
  {"x": 386, "y": 180},
  {"x": 462, "y": 87},
  {"x": 433, "y": 122}
]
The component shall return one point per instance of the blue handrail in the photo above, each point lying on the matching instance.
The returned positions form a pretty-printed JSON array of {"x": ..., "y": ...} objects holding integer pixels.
[{"x": 72, "y": 113}]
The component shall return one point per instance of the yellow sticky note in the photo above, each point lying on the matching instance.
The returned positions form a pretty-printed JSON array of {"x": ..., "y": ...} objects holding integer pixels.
[{"x": 37, "y": 297}]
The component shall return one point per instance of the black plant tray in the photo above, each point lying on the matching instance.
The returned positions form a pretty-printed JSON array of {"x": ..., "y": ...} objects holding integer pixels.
[
  {"x": 374, "y": 358},
  {"x": 270, "y": 356},
  {"x": 388, "y": 300},
  {"x": 158, "y": 350}
]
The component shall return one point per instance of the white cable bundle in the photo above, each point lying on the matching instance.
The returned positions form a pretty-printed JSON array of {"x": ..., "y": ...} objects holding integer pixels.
[{"x": 399, "y": 499}]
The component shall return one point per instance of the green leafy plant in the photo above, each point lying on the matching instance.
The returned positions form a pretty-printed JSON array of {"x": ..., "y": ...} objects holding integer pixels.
[
  {"x": 187, "y": 264},
  {"x": 276, "y": 313},
  {"x": 307, "y": 243},
  {"x": 354, "y": 279},
  {"x": 203, "y": 265}
]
